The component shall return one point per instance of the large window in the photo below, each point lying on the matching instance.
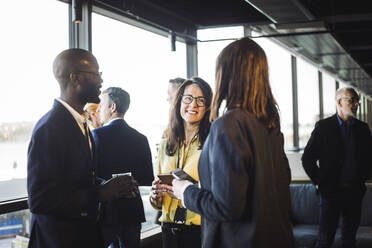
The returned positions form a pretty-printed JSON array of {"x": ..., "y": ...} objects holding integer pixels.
[
  {"x": 142, "y": 63},
  {"x": 31, "y": 38},
  {"x": 308, "y": 99},
  {"x": 329, "y": 95},
  {"x": 208, "y": 50},
  {"x": 281, "y": 84},
  {"x": 342, "y": 84},
  {"x": 27, "y": 47}
]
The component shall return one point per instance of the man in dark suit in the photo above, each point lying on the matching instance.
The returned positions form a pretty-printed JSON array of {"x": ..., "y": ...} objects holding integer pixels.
[
  {"x": 121, "y": 149},
  {"x": 341, "y": 144},
  {"x": 62, "y": 186}
]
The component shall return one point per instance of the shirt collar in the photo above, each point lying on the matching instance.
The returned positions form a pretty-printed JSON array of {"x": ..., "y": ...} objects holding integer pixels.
[
  {"x": 80, "y": 119},
  {"x": 111, "y": 121},
  {"x": 340, "y": 121}
]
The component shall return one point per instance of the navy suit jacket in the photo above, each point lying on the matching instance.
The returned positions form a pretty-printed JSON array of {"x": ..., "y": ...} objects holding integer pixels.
[
  {"x": 121, "y": 149},
  {"x": 326, "y": 146},
  {"x": 61, "y": 184}
]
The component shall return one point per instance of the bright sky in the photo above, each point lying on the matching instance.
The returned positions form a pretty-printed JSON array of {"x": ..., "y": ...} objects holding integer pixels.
[{"x": 28, "y": 46}]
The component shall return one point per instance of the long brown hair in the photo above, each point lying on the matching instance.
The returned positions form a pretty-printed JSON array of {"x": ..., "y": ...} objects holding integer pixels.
[
  {"x": 242, "y": 79},
  {"x": 175, "y": 132}
]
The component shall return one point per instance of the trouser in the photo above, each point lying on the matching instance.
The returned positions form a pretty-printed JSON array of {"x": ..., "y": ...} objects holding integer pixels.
[
  {"x": 123, "y": 236},
  {"x": 347, "y": 203},
  {"x": 181, "y": 236}
]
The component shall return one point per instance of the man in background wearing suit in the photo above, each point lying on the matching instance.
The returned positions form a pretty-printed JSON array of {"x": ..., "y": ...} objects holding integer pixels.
[
  {"x": 173, "y": 86},
  {"x": 62, "y": 186},
  {"x": 341, "y": 144},
  {"x": 121, "y": 149}
]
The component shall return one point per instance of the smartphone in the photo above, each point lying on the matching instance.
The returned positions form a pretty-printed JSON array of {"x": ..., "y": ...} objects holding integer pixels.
[
  {"x": 166, "y": 178},
  {"x": 182, "y": 175},
  {"x": 122, "y": 174}
]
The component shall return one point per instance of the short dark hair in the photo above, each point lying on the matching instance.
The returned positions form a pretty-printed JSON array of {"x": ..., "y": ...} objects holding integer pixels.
[
  {"x": 120, "y": 97},
  {"x": 176, "y": 82}
]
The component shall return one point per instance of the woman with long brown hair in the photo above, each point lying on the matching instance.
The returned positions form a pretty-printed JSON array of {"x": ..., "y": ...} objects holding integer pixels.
[
  {"x": 187, "y": 131},
  {"x": 244, "y": 198}
]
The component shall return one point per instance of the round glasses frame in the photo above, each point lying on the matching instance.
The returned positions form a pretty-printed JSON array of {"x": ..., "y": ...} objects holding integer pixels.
[
  {"x": 352, "y": 100},
  {"x": 188, "y": 99}
]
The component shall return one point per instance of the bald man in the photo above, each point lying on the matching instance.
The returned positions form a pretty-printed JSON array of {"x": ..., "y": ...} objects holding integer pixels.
[
  {"x": 341, "y": 145},
  {"x": 62, "y": 186}
]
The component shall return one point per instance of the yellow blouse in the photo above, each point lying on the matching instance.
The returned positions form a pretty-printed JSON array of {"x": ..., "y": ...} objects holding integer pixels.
[{"x": 188, "y": 157}]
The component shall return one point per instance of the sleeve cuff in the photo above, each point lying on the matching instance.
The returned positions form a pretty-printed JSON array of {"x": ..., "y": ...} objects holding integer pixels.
[{"x": 183, "y": 191}]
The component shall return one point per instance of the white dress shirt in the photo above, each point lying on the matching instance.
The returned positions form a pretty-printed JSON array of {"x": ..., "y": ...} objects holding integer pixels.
[{"x": 80, "y": 119}]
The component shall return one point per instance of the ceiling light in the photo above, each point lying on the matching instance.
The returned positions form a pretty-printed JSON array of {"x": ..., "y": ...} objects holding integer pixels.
[{"x": 300, "y": 27}]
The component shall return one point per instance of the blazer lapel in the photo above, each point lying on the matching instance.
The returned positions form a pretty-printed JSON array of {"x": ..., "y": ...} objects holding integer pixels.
[
  {"x": 93, "y": 157},
  {"x": 337, "y": 135},
  {"x": 83, "y": 141}
]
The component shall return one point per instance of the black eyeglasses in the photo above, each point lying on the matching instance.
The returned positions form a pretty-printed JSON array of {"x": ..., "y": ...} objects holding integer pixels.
[
  {"x": 352, "y": 100},
  {"x": 98, "y": 74},
  {"x": 200, "y": 101}
]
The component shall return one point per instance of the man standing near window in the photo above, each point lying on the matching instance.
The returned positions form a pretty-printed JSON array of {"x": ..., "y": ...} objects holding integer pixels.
[
  {"x": 121, "y": 149},
  {"x": 341, "y": 144},
  {"x": 173, "y": 86},
  {"x": 62, "y": 186}
]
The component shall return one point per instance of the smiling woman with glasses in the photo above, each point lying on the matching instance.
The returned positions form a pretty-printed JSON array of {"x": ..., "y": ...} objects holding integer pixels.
[
  {"x": 186, "y": 133},
  {"x": 243, "y": 196}
]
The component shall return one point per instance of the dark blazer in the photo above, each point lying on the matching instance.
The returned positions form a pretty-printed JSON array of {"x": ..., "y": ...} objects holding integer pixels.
[
  {"x": 121, "y": 149},
  {"x": 326, "y": 146},
  {"x": 61, "y": 184},
  {"x": 244, "y": 198}
]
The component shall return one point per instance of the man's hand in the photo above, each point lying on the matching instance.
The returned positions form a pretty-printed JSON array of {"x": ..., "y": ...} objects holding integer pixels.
[{"x": 117, "y": 187}]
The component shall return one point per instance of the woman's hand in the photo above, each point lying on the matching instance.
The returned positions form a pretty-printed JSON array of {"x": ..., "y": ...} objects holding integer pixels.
[
  {"x": 179, "y": 187},
  {"x": 157, "y": 193}
]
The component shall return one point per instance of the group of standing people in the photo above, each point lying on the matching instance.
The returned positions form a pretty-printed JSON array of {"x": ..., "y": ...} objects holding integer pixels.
[
  {"x": 236, "y": 154},
  {"x": 243, "y": 198}
]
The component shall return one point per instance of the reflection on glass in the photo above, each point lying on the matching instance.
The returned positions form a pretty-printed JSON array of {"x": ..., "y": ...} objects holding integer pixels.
[
  {"x": 15, "y": 229},
  {"x": 28, "y": 47}
]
